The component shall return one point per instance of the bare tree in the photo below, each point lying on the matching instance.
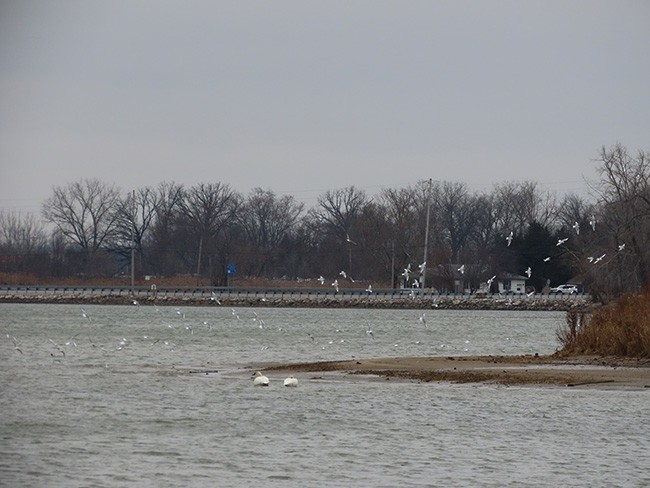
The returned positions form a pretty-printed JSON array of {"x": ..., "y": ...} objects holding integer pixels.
[
  {"x": 456, "y": 209},
  {"x": 520, "y": 203},
  {"x": 20, "y": 233},
  {"x": 392, "y": 233},
  {"x": 572, "y": 209},
  {"x": 267, "y": 220},
  {"x": 168, "y": 197},
  {"x": 485, "y": 231},
  {"x": 85, "y": 214},
  {"x": 208, "y": 208},
  {"x": 339, "y": 211},
  {"x": 624, "y": 196},
  {"x": 136, "y": 213},
  {"x": 22, "y": 237}
]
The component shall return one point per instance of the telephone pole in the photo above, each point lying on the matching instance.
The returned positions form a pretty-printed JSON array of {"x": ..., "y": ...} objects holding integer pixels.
[
  {"x": 133, "y": 244},
  {"x": 426, "y": 238}
]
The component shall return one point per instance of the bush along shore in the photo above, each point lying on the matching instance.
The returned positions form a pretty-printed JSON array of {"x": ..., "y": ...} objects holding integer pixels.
[
  {"x": 540, "y": 302},
  {"x": 619, "y": 328}
]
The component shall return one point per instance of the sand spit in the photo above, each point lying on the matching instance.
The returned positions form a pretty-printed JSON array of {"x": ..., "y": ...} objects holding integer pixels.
[{"x": 576, "y": 372}]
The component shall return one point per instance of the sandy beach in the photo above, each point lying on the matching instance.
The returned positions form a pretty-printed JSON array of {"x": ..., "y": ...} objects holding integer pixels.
[{"x": 574, "y": 372}]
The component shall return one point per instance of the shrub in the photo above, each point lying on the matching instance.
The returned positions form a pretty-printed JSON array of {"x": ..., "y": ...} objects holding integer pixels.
[{"x": 620, "y": 328}]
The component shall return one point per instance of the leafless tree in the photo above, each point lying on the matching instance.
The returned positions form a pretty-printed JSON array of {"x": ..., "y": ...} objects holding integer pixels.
[
  {"x": 208, "y": 208},
  {"x": 85, "y": 213},
  {"x": 624, "y": 196},
  {"x": 168, "y": 197},
  {"x": 21, "y": 233},
  {"x": 338, "y": 211},
  {"x": 573, "y": 208},
  {"x": 457, "y": 210},
  {"x": 484, "y": 233},
  {"x": 136, "y": 214},
  {"x": 22, "y": 237},
  {"x": 267, "y": 220},
  {"x": 390, "y": 229},
  {"x": 520, "y": 203}
]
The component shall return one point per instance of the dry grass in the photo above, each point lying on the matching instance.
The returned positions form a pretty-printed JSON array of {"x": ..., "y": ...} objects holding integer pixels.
[
  {"x": 125, "y": 280},
  {"x": 30, "y": 279},
  {"x": 620, "y": 328}
]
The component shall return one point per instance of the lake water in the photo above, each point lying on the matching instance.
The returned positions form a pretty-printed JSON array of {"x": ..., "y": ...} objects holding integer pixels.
[{"x": 108, "y": 400}]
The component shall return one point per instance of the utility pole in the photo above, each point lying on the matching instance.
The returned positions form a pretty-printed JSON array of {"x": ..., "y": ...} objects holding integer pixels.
[
  {"x": 392, "y": 265},
  {"x": 133, "y": 244},
  {"x": 426, "y": 238}
]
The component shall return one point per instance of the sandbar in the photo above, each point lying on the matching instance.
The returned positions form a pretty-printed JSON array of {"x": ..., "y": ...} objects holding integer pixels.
[{"x": 573, "y": 372}]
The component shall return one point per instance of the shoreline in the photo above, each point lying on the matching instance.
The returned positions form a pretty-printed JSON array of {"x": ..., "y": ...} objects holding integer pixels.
[{"x": 572, "y": 372}]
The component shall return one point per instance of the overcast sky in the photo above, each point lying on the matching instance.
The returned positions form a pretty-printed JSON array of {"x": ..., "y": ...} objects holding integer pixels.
[{"x": 303, "y": 96}]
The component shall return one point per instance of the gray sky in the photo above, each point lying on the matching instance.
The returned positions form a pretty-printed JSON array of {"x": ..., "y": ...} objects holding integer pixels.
[{"x": 303, "y": 96}]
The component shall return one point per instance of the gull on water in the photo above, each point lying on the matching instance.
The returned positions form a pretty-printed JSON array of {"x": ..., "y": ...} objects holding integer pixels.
[
  {"x": 291, "y": 381},
  {"x": 260, "y": 379},
  {"x": 122, "y": 344},
  {"x": 369, "y": 332}
]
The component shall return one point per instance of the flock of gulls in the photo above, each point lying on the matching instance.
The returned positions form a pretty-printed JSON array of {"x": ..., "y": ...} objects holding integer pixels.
[
  {"x": 562, "y": 242},
  {"x": 172, "y": 330},
  {"x": 58, "y": 348},
  {"x": 408, "y": 273}
]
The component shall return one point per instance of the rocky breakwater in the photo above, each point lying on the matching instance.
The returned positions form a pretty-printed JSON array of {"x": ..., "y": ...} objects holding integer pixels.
[{"x": 451, "y": 302}]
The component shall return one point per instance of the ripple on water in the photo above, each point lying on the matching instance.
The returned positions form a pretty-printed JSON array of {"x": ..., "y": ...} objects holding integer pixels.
[{"x": 93, "y": 417}]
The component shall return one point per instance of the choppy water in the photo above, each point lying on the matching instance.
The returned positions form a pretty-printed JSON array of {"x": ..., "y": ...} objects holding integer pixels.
[{"x": 121, "y": 409}]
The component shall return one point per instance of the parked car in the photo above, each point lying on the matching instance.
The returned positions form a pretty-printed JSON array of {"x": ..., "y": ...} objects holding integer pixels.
[{"x": 564, "y": 289}]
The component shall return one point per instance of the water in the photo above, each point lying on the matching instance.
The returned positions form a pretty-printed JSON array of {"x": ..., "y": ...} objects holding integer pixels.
[{"x": 122, "y": 409}]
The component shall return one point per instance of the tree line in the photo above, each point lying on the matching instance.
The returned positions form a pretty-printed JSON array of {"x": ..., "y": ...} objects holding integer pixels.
[{"x": 439, "y": 227}]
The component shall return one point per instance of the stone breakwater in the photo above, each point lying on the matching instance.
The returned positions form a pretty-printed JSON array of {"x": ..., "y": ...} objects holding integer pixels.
[{"x": 540, "y": 302}]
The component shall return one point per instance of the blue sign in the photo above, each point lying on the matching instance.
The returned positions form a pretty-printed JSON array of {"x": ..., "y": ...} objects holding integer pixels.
[{"x": 232, "y": 268}]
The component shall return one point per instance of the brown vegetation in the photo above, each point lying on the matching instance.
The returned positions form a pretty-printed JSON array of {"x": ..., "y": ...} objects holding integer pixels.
[
  {"x": 27, "y": 279},
  {"x": 620, "y": 328}
]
